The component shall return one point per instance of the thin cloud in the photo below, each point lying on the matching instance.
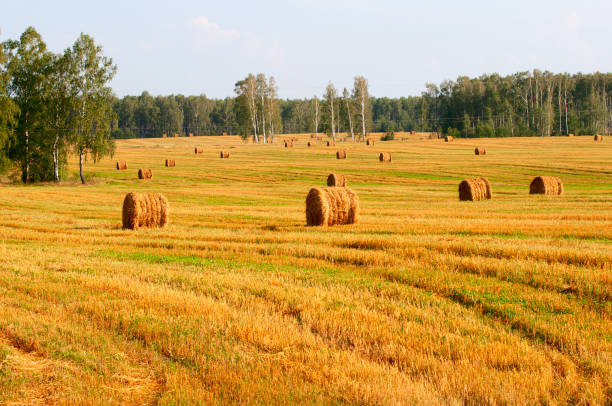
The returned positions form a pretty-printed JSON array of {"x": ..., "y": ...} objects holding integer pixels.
[{"x": 209, "y": 32}]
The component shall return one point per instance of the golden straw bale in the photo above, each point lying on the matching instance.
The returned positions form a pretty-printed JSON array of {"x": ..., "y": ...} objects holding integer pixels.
[
  {"x": 145, "y": 173},
  {"x": 331, "y": 206},
  {"x": 170, "y": 163},
  {"x": 336, "y": 179},
  {"x": 370, "y": 141},
  {"x": 145, "y": 210},
  {"x": 175, "y": 135},
  {"x": 384, "y": 157},
  {"x": 546, "y": 185},
  {"x": 598, "y": 137},
  {"x": 191, "y": 134},
  {"x": 121, "y": 165},
  {"x": 448, "y": 138},
  {"x": 341, "y": 154},
  {"x": 164, "y": 135},
  {"x": 570, "y": 135},
  {"x": 313, "y": 136},
  {"x": 198, "y": 150},
  {"x": 480, "y": 151},
  {"x": 224, "y": 154},
  {"x": 288, "y": 143},
  {"x": 331, "y": 143},
  {"x": 311, "y": 143},
  {"x": 475, "y": 189}
]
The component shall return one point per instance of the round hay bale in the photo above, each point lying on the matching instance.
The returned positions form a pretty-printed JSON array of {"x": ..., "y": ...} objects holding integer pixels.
[
  {"x": 546, "y": 185},
  {"x": 164, "y": 135},
  {"x": 331, "y": 206},
  {"x": 448, "y": 138},
  {"x": 570, "y": 135},
  {"x": 336, "y": 179},
  {"x": 198, "y": 150},
  {"x": 121, "y": 165},
  {"x": 341, "y": 154},
  {"x": 475, "y": 189},
  {"x": 331, "y": 143},
  {"x": 145, "y": 173},
  {"x": 480, "y": 151},
  {"x": 311, "y": 143},
  {"x": 384, "y": 157},
  {"x": 224, "y": 154},
  {"x": 369, "y": 141},
  {"x": 175, "y": 135},
  {"x": 598, "y": 137},
  {"x": 170, "y": 163},
  {"x": 288, "y": 143},
  {"x": 145, "y": 210},
  {"x": 191, "y": 134}
]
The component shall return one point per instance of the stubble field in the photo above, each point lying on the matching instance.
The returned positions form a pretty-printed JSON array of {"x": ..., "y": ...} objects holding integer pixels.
[{"x": 427, "y": 300}]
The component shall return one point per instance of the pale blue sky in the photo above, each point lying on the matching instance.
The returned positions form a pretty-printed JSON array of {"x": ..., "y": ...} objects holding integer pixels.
[{"x": 194, "y": 47}]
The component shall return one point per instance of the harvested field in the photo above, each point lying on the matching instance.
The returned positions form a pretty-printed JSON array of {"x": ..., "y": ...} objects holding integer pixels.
[{"x": 425, "y": 300}]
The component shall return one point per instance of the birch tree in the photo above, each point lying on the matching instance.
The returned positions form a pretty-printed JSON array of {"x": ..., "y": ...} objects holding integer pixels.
[
  {"x": 247, "y": 89},
  {"x": 315, "y": 102},
  {"x": 361, "y": 96},
  {"x": 349, "y": 111},
  {"x": 330, "y": 98},
  {"x": 262, "y": 90},
  {"x": 91, "y": 75}
]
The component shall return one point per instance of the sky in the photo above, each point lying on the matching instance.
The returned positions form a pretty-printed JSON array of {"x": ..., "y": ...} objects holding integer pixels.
[{"x": 203, "y": 47}]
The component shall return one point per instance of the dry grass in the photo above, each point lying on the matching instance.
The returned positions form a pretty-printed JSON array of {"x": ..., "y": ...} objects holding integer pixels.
[{"x": 427, "y": 300}]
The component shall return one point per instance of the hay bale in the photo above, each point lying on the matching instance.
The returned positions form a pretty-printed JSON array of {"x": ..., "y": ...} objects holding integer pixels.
[
  {"x": 198, "y": 150},
  {"x": 570, "y": 135},
  {"x": 384, "y": 157},
  {"x": 175, "y": 135},
  {"x": 598, "y": 137},
  {"x": 448, "y": 138},
  {"x": 224, "y": 154},
  {"x": 480, "y": 151},
  {"x": 475, "y": 189},
  {"x": 170, "y": 163},
  {"x": 288, "y": 143},
  {"x": 164, "y": 135},
  {"x": 311, "y": 143},
  {"x": 341, "y": 154},
  {"x": 145, "y": 210},
  {"x": 369, "y": 141},
  {"x": 312, "y": 136},
  {"x": 224, "y": 134},
  {"x": 121, "y": 165},
  {"x": 546, "y": 185},
  {"x": 331, "y": 144},
  {"x": 145, "y": 173},
  {"x": 191, "y": 134},
  {"x": 335, "y": 179},
  {"x": 331, "y": 206}
]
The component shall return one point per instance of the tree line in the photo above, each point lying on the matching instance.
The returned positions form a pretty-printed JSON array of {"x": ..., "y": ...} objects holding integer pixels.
[
  {"x": 52, "y": 105},
  {"x": 524, "y": 104}
]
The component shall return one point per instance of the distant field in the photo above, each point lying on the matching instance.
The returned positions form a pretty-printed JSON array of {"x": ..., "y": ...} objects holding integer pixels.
[{"x": 427, "y": 300}]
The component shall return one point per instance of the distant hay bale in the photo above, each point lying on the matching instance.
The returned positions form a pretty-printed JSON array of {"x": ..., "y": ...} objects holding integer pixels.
[
  {"x": 145, "y": 173},
  {"x": 312, "y": 136},
  {"x": 121, "y": 165},
  {"x": 191, "y": 134},
  {"x": 570, "y": 135},
  {"x": 164, "y": 135},
  {"x": 311, "y": 143},
  {"x": 448, "y": 138},
  {"x": 412, "y": 132},
  {"x": 175, "y": 135},
  {"x": 341, "y": 154},
  {"x": 170, "y": 163},
  {"x": 145, "y": 210},
  {"x": 293, "y": 139},
  {"x": 598, "y": 137},
  {"x": 336, "y": 179},
  {"x": 369, "y": 141},
  {"x": 331, "y": 144},
  {"x": 198, "y": 150},
  {"x": 224, "y": 134},
  {"x": 546, "y": 185},
  {"x": 384, "y": 157},
  {"x": 288, "y": 143},
  {"x": 475, "y": 189},
  {"x": 224, "y": 154},
  {"x": 480, "y": 151},
  {"x": 331, "y": 206}
]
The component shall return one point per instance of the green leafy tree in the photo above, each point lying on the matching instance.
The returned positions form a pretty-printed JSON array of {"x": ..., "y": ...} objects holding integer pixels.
[
  {"x": 9, "y": 112},
  {"x": 90, "y": 76}
]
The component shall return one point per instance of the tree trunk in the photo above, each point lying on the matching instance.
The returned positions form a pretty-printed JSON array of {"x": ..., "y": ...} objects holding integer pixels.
[
  {"x": 27, "y": 158},
  {"x": 348, "y": 111},
  {"x": 56, "y": 160},
  {"x": 363, "y": 127},
  {"x": 333, "y": 128},
  {"x": 81, "y": 155}
]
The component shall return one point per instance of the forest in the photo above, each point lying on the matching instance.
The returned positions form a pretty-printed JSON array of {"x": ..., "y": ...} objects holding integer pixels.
[{"x": 524, "y": 104}]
